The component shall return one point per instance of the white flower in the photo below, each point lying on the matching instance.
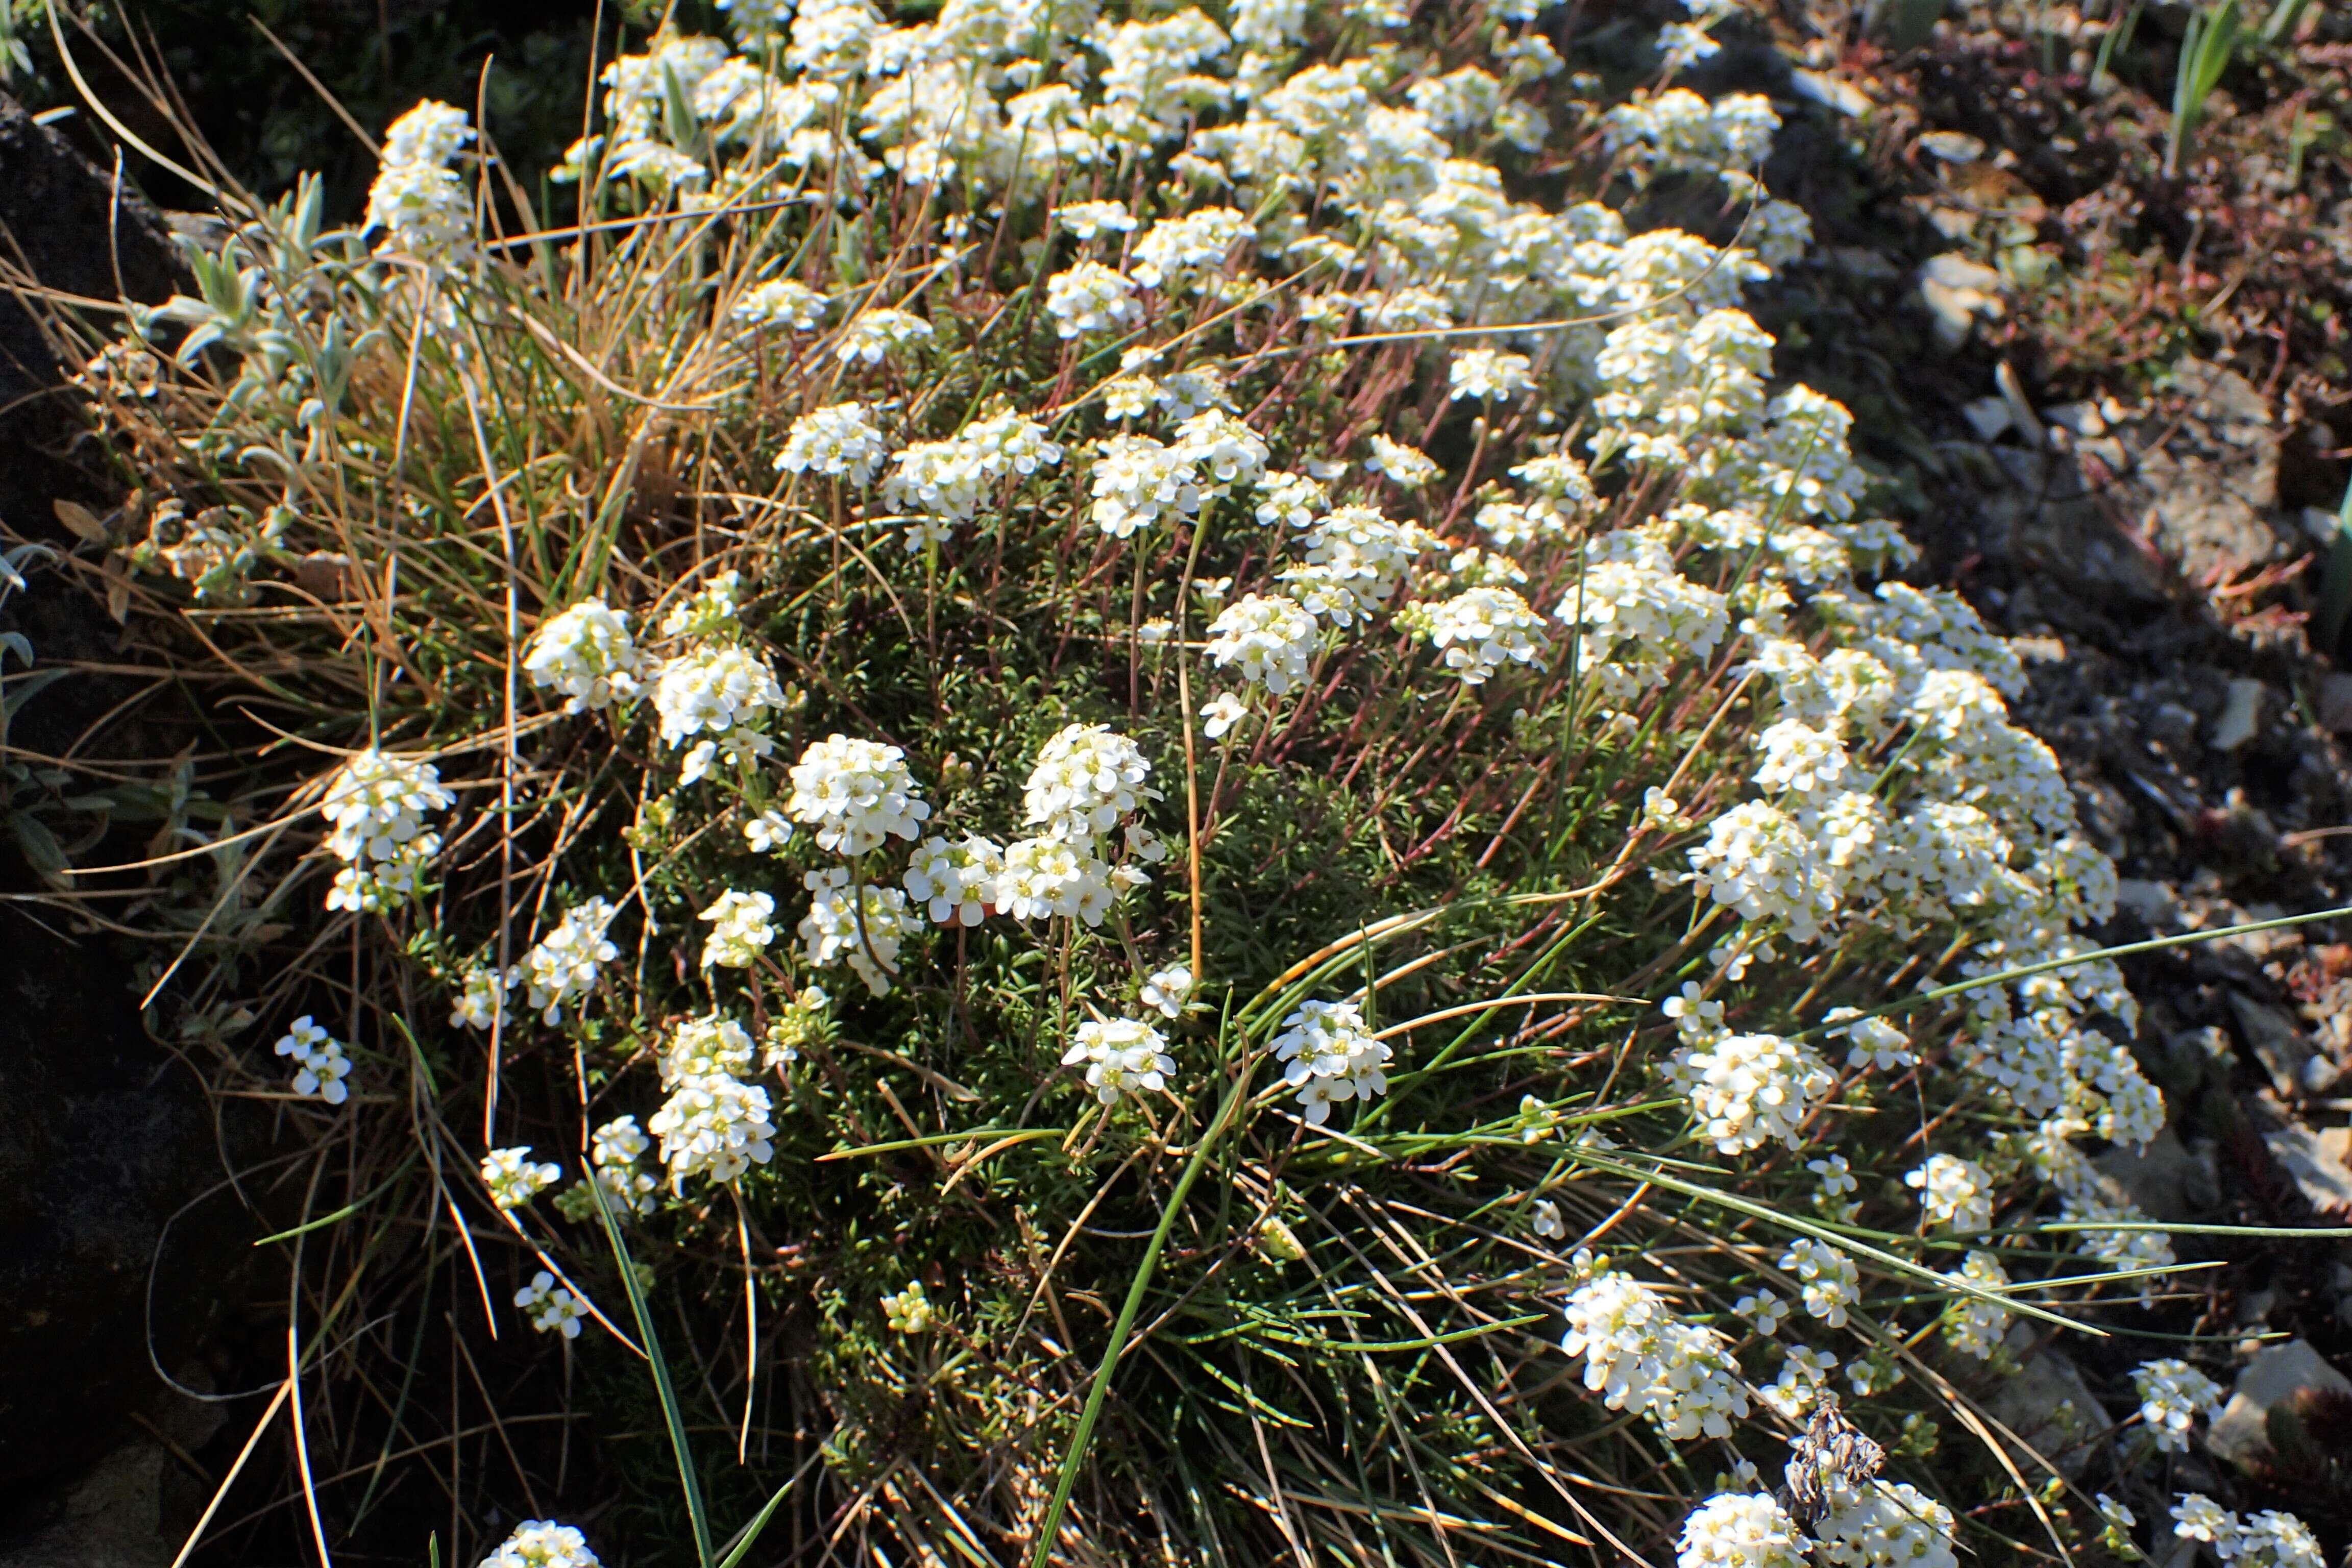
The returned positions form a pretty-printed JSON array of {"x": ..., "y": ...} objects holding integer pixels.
[
  {"x": 711, "y": 611},
  {"x": 1763, "y": 1309},
  {"x": 1270, "y": 640},
  {"x": 1546, "y": 1221},
  {"x": 1837, "y": 1179},
  {"x": 767, "y": 833},
  {"x": 837, "y": 441},
  {"x": 2172, "y": 1394},
  {"x": 552, "y": 1308},
  {"x": 1879, "y": 1523},
  {"x": 562, "y": 966},
  {"x": 2271, "y": 1538},
  {"x": 481, "y": 997},
  {"x": 1408, "y": 466},
  {"x": 1645, "y": 1360},
  {"x": 1177, "y": 247},
  {"x": 375, "y": 807},
  {"x": 1748, "y": 1090},
  {"x": 1166, "y": 990},
  {"x": 1829, "y": 1282},
  {"x": 586, "y": 653},
  {"x": 1052, "y": 877},
  {"x": 1355, "y": 560},
  {"x": 1137, "y": 481},
  {"x": 614, "y": 1151},
  {"x": 713, "y": 1126},
  {"x": 1976, "y": 1325},
  {"x": 1482, "y": 629},
  {"x": 875, "y": 334},
  {"x": 1222, "y": 449},
  {"x": 1699, "y": 1019},
  {"x": 1490, "y": 375},
  {"x": 321, "y": 1066},
  {"x": 542, "y": 1542},
  {"x": 857, "y": 795},
  {"x": 1876, "y": 1042},
  {"x": 513, "y": 1180},
  {"x": 1292, "y": 500},
  {"x": 1221, "y": 714},
  {"x": 1955, "y": 1192},
  {"x": 417, "y": 202},
  {"x": 1792, "y": 1393},
  {"x": 740, "y": 930},
  {"x": 721, "y": 691},
  {"x": 1332, "y": 1057},
  {"x": 1728, "y": 1531},
  {"x": 1090, "y": 298},
  {"x": 954, "y": 882},
  {"x": 1086, "y": 777},
  {"x": 1123, "y": 1055},
  {"x": 908, "y": 1312},
  {"x": 781, "y": 303},
  {"x": 705, "y": 1047},
  {"x": 867, "y": 932},
  {"x": 1091, "y": 220}
]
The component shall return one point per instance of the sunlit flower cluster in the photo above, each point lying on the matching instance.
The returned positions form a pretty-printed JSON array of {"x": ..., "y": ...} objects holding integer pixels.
[{"x": 376, "y": 808}]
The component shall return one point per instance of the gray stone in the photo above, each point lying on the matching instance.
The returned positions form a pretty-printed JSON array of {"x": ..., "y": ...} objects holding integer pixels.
[
  {"x": 2271, "y": 1032},
  {"x": 2167, "y": 1179},
  {"x": 2050, "y": 1408},
  {"x": 2241, "y": 1433},
  {"x": 2334, "y": 703}
]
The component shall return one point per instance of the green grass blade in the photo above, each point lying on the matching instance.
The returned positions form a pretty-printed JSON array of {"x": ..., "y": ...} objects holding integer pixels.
[
  {"x": 1080, "y": 1439},
  {"x": 674, "y": 1420}
]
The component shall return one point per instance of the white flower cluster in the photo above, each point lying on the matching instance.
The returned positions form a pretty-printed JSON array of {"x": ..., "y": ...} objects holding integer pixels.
[
  {"x": 857, "y": 922},
  {"x": 513, "y": 1179},
  {"x": 723, "y": 693},
  {"x": 482, "y": 995},
  {"x": 955, "y": 883},
  {"x": 613, "y": 1153},
  {"x": 2271, "y": 1538},
  {"x": 837, "y": 441},
  {"x": 376, "y": 808},
  {"x": 585, "y": 652},
  {"x": 1747, "y": 1090},
  {"x": 937, "y": 484},
  {"x": 1490, "y": 375},
  {"x": 1955, "y": 1192},
  {"x": 1123, "y": 1057},
  {"x": 1270, "y": 640},
  {"x": 1482, "y": 629},
  {"x": 784, "y": 302},
  {"x": 1826, "y": 1277},
  {"x": 561, "y": 967},
  {"x": 713, "y": 1126},
  {"x": 712, "y": 1045},
  {"x": 1636, "y": 617},
  {"x": 1872, "y": 1524},
  {"x": 1329, "y": 1057},
  {"x": 542, "y": 1542},
  {"x": 319, "y": 1064},
  {"x": 1644, "y": 1360},
  {"x": 1976, "y": 1325},
  {"x": 1356, "y": 559},
  {"x": 873, "y": 336},
  {"x": 857, "y": 795},
  {"x": 1087, "y": 778},
  {"x": 741, "y": 929},
  {"x": 417, "y": 202},
  {"x": 1090, "y": 298},
  {"x": 552, "y": 1309},
  {"x": 2172, "y": 1394}
]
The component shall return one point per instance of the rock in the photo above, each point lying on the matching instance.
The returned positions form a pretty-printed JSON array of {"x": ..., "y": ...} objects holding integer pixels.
[
  {"x": 2306, "y": 1158},
  {"x": 2271, "y": 1032},
  {"x": 107, "y": 1136},
  {"x": 2168, "y": 1180},
  {"x": 1958, "y": 290},
  {"x": 1951, "y": 146},
  {"x": 111, "y": 1519},
  {"x": 2240, "y": 716},
  {"x": 2048, "y": 1406},
  {"x": 1831, "y": 92},
  {"x": 2153, "y": 904},
  {"x": 2080, "y": 419},
  {"x": 65, "y": 220},
  {"x": 1988, "y": 416},
  {"x": 2241, "y": 1433}
]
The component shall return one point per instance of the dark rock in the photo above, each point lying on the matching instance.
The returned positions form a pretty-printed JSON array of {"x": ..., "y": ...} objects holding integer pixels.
[
  {"x": 71, "y": 226},
  {"x": 108, "y": 1137}
]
